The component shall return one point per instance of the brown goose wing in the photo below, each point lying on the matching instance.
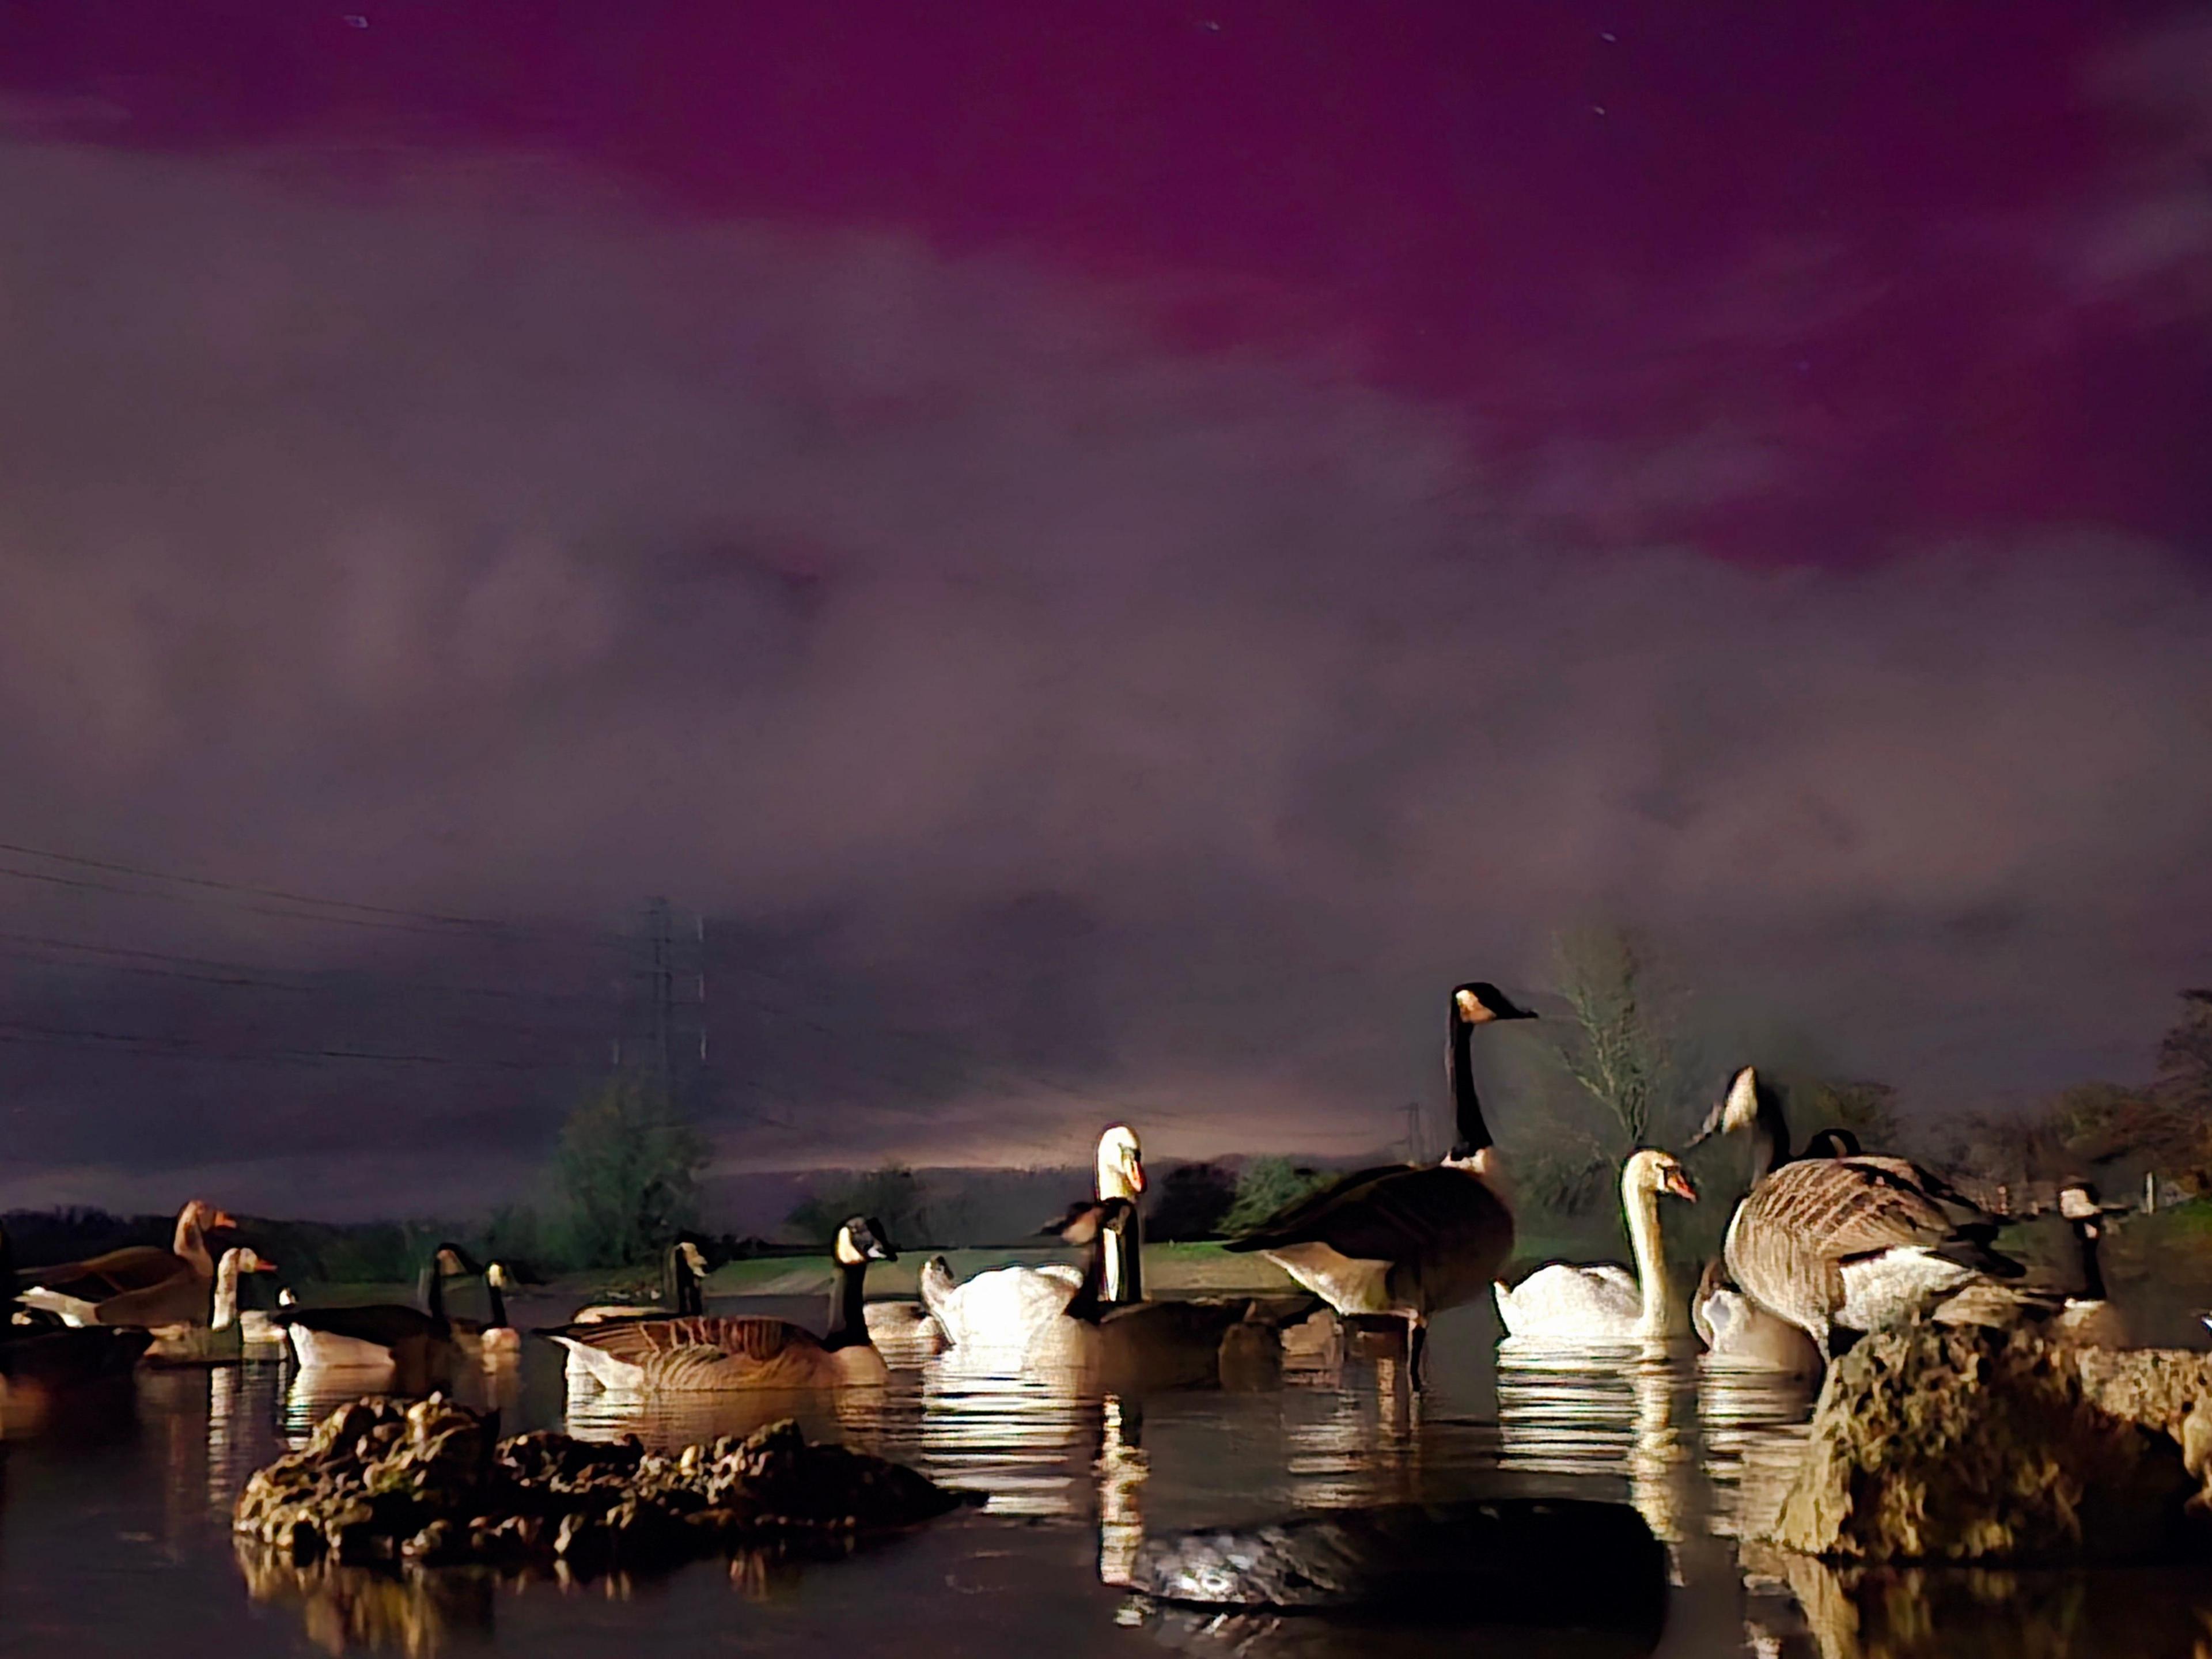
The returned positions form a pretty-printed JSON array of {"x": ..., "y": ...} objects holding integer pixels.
[
  {"x": 1405, "y": 1215},
  {"x": 636, "y": 1340},
  {"x": 1839, "y": 1208},
  {"x": 1278, "y": 1228},
  {"x": 117, "y": 1272}
]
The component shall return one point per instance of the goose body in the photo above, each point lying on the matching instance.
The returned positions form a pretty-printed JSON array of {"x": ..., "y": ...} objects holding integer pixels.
[
  {"x": 223, "y": 1337},
  {"x": 1402, "y": 1239},
  {"x": 47, "y": 1364},
  {"x": 142, "y": 1286},
  {"x": 1001, "y": 1312},
  {"x": 1132, "y": 1345},
  {"x": 377, "y": 1336},
  {"x": 1566, "y": 1304},
  {"x": 703, "y": 1353},
  {"x": 1841, "y": 1246}
]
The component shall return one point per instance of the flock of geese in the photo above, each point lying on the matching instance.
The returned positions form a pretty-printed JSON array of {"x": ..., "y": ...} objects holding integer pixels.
[{"x": 1827, "y": 1246}]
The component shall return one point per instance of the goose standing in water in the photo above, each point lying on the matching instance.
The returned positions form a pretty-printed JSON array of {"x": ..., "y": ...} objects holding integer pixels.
[
  {"x": 491, "y": 1341},
  {"x": 1001, "y": 1309},
  {"x": 1563, "y": 1303},
  {"x": 1842, "y": 1246},
  {"x": 223, "y": 1337},
  {"x": 418, "y": 1342},
  {"x": 1401, "y": 1239},
  {"x": 141, "y": 1285},
  {"x": 707, "y": 1354}
]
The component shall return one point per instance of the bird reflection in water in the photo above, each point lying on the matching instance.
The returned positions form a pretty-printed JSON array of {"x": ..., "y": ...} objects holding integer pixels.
[
  {"x": 671, "y": 1422},
  {"x": 1120, "y": 1469},
  {"x": 1754, "y": 1429},
  {"x": 1023, "y": 1441},
  {"x": 340, "y": 1608}
]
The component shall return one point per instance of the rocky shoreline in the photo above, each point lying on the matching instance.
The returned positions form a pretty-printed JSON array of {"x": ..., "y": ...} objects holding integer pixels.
[{"x": 383, "y": 1481}]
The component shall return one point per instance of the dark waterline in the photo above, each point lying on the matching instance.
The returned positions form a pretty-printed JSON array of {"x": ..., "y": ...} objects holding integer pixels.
[{"x": 121, "y": 1545}]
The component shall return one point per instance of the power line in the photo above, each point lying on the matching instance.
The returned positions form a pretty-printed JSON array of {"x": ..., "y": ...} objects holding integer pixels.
[
  {"x": 396, "y": 917},
  {"x": 246, "y": 973},
  {"x": 184, "y": 1048}
]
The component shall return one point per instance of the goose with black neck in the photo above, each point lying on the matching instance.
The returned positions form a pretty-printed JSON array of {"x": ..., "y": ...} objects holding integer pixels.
[{"x": 1409, "y": 1240}]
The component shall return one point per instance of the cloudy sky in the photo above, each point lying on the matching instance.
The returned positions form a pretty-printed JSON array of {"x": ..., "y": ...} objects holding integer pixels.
[{"x": 1111, "y": 552}]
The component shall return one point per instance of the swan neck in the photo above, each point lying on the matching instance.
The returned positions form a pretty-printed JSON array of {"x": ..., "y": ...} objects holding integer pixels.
[
  {"x": 1125, "y": 1259},
  {"x": 1473, "y": 1134},
  {"x": 226, "y": 1292},
  {"x": 1641, "y": 1207}
]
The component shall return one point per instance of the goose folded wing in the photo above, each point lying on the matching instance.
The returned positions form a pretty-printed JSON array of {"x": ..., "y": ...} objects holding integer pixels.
[
  {"x": 1842, "y": 1210},
  {"x": 636, "y": 1340},
  {"x": 1404, "y": 1214},
  {"x": 382, "y": 1323},
  {"x": 140, "y": 1267},
  {"x": 1286, "y": 1225},
  {"x": 1965, "y": 1215}
]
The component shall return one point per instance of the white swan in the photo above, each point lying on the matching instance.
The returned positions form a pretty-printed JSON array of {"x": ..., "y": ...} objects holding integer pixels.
[
  {"x": 1740, "y": 1335},
  {"x": 1569, "y": 1305},
  {"x": 1002, "y": 1310}
]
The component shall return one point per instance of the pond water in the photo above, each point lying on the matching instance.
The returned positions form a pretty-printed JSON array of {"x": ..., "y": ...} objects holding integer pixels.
[{"x": 118, "y": 1542}]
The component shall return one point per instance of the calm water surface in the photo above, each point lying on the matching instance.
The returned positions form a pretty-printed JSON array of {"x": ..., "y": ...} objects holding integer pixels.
[{"x": 120, "y": 1544}]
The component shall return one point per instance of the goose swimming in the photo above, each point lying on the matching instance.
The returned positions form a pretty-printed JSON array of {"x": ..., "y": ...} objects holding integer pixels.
[
  {"x": 141, "y": 1285},
  {"x": 710, "y": 1354}
]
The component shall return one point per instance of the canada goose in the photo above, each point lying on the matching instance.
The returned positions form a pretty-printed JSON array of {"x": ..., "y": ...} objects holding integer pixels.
[
  {"x": 1001, "y": 1308},
  {"x": 491, "y": 1341},
  {"x": 705, "y": 1354},
  {"x": 685, "y": 1266},
  {"x": 380, "y": 1336},
  {"x": 1131, "y": 1345},
  {"x": 1565, "y": 1304},
  {"x": 2089, "y": 1320},
  {"x": 1740, "y": 1335},
  {"x": 1832, "y": 1142},
  {"x": 1403, "y": 1239},
  {"x": 141, "y": 1285},
  {"x": 1842, "y": 1246},
  {"x": 222, "y": 1338},
  {"x": 46, "y": 1363}
]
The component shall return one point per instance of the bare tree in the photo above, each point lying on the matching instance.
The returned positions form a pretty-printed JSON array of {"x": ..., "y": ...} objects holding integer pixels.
[{"x": 1619, "y": 1042}]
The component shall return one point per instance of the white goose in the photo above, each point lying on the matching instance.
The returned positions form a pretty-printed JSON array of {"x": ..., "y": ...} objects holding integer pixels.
[
  {"x": 1571, "y": 1305},
  {"x": 1003, "y": 1309}
]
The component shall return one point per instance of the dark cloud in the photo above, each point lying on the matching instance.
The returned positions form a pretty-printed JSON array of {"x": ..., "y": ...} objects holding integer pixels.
[{"x": 1054, "y": 723}]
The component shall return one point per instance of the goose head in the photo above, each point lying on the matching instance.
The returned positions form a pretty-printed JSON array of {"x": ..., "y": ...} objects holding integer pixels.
[
  {"x": 239, "y": 1259},
  {"x": 862, "y": 1238},
  {"x": 1478, "y": 1002},
  {"x": 1738, "y": 1109},
  {"x": 1832, "y": 1143},
  {"x": 694, "y": 1257},
  {"x": 1085, "y": 1219},
  {"x": 452, "y": 1261},
  {"x": 495, "y": 1277},
  {"x": 1120, "y": 1164},
  {"x": 1654, "y": 1171}
]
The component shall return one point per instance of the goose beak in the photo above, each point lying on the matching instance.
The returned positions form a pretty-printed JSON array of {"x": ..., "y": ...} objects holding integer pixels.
[
  {"x": 223, "y": 1219},
  {"x": 262, "y": 1264},
  {"x": 1679, "y": 1184}
]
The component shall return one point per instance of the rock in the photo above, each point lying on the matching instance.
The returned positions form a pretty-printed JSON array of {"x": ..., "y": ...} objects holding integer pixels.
[
  {"x": 1505, "y": 1561},
  {"x": 428, "y": 1484},
  {"x": 1980, "y": 1445}
]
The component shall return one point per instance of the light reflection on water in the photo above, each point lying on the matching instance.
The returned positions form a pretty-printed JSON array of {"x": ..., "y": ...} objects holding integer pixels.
[{"x": 115, "y": 1545}]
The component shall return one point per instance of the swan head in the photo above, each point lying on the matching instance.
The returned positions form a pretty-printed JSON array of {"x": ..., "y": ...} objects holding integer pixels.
[
  {"x": 1738, "y": 1109},
  {"x": 1120, "y": 1164},
  {"x": 862, "y": 1238},
  {"x": 1478, "y": 1002},
  {"x": 1085, "y": 1219},
  {"x": 1654, "y": 1171}
]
